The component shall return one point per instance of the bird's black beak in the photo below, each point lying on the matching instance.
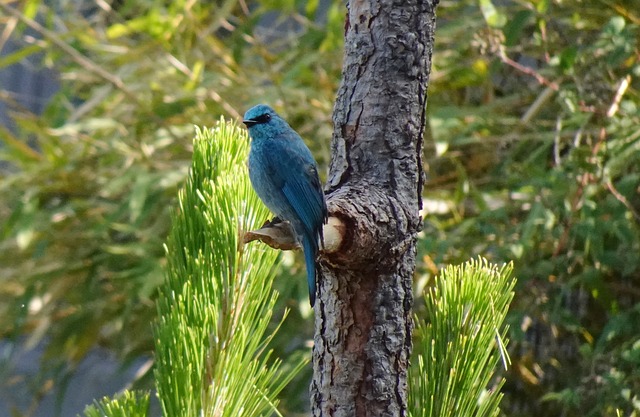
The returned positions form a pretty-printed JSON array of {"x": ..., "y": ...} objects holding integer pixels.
[{"x": 250, "y": 122}]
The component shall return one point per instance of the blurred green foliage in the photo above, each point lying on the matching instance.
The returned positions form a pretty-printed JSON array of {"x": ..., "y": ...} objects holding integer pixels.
[
  {"x": 532, "y": 152},
  {"x": 535, "y": 132}
]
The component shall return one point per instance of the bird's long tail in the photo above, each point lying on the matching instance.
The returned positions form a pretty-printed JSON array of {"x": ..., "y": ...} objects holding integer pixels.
[{"x": 310, "y": 248}]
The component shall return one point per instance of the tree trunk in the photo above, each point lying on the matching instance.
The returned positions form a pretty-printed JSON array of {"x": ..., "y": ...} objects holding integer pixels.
[{"x": 363, "y": 314}]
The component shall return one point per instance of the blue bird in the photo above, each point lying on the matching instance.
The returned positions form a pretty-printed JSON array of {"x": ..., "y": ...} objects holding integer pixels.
[{"x": 285, "y": 177}]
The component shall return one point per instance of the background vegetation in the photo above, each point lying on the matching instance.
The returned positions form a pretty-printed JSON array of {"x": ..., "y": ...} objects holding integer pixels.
[{"x": 533, "y": 155}]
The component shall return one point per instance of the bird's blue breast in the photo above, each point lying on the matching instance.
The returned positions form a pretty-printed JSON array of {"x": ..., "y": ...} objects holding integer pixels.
[{"x": 265, "y": 176}]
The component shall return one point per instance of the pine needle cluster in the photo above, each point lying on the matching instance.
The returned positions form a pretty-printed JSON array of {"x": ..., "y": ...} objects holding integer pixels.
[
  {"x": 461, "y": 341},
  {"x": 216, "y": 304}
]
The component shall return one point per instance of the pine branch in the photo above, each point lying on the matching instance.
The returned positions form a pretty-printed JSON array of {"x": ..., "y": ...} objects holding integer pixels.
[
  {"x": 217, "y": 301},
  {"x": 461, "y": 341}
]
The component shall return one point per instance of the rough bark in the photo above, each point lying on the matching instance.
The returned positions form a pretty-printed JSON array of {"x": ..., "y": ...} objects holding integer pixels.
[{"x": 363, "y": 314}]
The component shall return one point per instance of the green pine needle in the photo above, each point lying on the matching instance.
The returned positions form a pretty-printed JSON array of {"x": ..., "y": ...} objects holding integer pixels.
[
  {"x": 462, "y": 341},
  {"x": 129, "y": 404}
]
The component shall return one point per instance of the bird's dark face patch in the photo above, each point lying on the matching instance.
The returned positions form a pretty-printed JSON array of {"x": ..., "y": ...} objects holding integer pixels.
[{"x": 263, "y": 118}]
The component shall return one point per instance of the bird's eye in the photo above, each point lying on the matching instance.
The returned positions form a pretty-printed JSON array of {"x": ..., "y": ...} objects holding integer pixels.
[{"x": 263, "y": 118}]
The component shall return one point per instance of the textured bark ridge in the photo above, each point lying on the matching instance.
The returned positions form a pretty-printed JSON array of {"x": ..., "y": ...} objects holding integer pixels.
[{"x": 363, "y": 314}]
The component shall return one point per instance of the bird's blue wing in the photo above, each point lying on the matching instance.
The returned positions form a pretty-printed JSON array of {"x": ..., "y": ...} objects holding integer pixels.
[
  {"x": 305, "y": 195},
  {"x": 292, "y": 171}
]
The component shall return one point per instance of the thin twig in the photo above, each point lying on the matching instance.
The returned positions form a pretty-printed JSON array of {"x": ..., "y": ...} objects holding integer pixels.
[
  {"x": 529, "y": 71},
  {"x": 9, "y": 27},
  {"x": 556, "y": 141},
  {"x": 537, "y": 105},
  {"x": 621, "y": 198},
  {"x": 622, "y": 88}
]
